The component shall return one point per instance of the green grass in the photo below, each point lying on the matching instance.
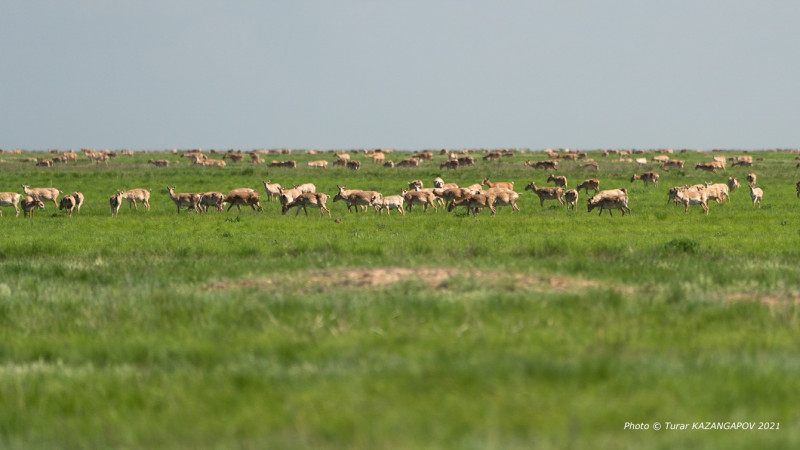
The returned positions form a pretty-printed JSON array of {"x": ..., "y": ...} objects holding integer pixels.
[{"x": 545, "y": 329}]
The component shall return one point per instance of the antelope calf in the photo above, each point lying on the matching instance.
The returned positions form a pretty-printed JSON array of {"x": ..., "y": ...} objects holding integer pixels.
[
  {"x": 67, "y": 204},
  {"x": 29, "y": 203},
  {"x": 43, "y": 194}
]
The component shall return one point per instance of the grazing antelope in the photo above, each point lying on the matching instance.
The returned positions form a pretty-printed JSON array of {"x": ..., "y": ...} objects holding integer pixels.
[
  {"x": 43, "y": 194},
  {"x": 135, "y": 196},
  {"x": 647, "y": 177},
  {"x": 10, "y": 199},
  {"x": 189, "y": 200},
  {"x": 29, "y": 203},
  {"x": 308, "y": 200},
  {"x": 67, "y": 204},
  {"x": 353, "y": 164}
]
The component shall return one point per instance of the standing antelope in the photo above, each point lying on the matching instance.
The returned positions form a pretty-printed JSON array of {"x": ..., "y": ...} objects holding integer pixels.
[
  {"x": 189, "y": 200},
  {"x": 10, "y": 199},
  {"x": 756, "y": 194},
  {"x": 136, "y": 195},
  {"x": 43, "y": 194},
  {"x": 115, "y": 202},
  {"x": 647, "y": 177},
  {"x": 29, "y": 203}
]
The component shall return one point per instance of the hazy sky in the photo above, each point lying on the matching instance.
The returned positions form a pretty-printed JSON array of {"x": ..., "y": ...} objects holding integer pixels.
[{"x": 401, "y": 74}]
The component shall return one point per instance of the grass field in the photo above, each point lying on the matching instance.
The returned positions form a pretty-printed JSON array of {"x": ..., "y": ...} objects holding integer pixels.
[{"x": 541, "y": 329}]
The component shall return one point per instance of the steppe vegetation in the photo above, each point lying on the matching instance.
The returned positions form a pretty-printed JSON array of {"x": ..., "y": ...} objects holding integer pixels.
[{"x": 544, "y": 328}]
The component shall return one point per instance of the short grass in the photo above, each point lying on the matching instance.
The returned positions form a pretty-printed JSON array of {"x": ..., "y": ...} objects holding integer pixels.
[{"x": 545, "y": 329}]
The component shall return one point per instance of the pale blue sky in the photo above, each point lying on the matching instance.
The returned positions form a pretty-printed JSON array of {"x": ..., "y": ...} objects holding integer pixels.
[{"x": 402, "y": 74}]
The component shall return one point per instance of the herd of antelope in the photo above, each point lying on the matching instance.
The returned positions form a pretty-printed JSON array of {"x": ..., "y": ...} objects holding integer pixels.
[{"x": 473, "y": 198}]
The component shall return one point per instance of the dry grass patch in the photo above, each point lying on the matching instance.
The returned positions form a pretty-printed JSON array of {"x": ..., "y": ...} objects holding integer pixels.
[{"x": 433, "y": 277}]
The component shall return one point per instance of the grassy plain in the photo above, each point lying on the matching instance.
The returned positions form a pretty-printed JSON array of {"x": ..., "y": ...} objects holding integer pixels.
[{"x": 545, "y": 329}]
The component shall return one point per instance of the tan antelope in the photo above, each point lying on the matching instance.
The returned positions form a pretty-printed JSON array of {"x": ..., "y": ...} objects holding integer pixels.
[
  {"x": 136, "y": 196},
  {"x": 693, "y": 197},
  {"x": 411, "y": 198},
  {"x": 241, "y": 198},
  {"x": 559, "y": 181},
  {"x": 159, "y": 162},
  {"x": 756, "y": 194},
  {"x": 10, "y": 199},
  {"x": 610, "y": 200},
  {"x": 273, "y": 190},
  {"x": 389, "y": 203},
  {"x": 308, "y": 200},
  {"x": 500, "y": 184},
  {"x": 751, "y": 179},
  {"x": 67, "y": 204},
  {"x": 43, "y": 194},
  {"x": 647, "y": 177},
  {"x": 189, "y": 200},
  {"x": 115, "y": 202},
  {"x": 29, "y": 203},
  {"x": 571, "y": 198},
  {"x": 733, "y": 184},
  {"x": 591, "y": 183},
  {"x": 213, "y": 198},
  {"x": 546, "y": 193}
]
